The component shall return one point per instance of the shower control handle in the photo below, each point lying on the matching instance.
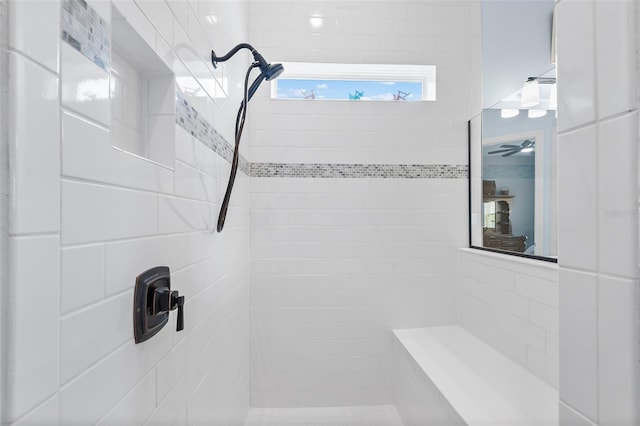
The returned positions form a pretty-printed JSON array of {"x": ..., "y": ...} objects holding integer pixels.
[
  {"x": 153, "y": 300},
  {"x": 166, "y": 300},
  {"x": 178, "y": 302}
]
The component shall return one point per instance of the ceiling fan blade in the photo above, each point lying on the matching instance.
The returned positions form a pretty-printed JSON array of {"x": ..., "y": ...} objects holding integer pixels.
[
  {"x": 511, "y": 146},
  {"x": 515, "y": 151},
  {"x": 528, "y": 143},
  {"x": 502, "y": 150}
]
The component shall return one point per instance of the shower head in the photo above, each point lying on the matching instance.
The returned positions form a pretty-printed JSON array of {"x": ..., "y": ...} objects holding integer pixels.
[
  {"x": 270, "y": 71},
  {"x": 267, "y": 72},
  {"x": 273, "y": 71}
]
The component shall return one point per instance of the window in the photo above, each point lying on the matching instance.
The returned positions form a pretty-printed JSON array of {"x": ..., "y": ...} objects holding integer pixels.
[{"x": 356, "y": 82}]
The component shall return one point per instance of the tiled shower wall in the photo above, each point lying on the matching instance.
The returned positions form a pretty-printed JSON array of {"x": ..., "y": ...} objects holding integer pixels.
[
  {"x": 598, "y": 211},
  {"x": 511, "y": 303},
  {"x": 342, "y": 255},
  {"x": 86, "y": 219}
]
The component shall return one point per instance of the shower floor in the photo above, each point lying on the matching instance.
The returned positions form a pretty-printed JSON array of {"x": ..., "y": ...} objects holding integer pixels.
[{"x": 374, "y": 415}]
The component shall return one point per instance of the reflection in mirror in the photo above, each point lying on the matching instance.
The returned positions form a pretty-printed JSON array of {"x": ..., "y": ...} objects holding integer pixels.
[{"x": 513, "y": 176}]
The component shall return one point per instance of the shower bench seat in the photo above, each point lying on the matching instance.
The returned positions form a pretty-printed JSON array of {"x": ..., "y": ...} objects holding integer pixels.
[{"x": 445, "y": 375}]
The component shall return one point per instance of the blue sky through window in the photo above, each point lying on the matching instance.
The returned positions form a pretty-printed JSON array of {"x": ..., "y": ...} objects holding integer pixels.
[{"x": 349, "y": 90}]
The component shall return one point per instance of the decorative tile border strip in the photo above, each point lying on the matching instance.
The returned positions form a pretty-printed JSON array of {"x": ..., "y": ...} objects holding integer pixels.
[
  {"x": 84, "y": 30},
  {"x": 385, "y": 171},
  {"x": 87, "y": 32},
  {"x": 188, "y": 117}
]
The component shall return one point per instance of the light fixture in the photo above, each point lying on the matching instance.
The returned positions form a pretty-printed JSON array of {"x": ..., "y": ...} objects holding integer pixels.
[
  {"x": 509, "y": 112},
  {"x": 527, "y": 149},
  {"x": 537, "y": 113},
  {"x": 316, "y": 21},
  {"x": 553, "y": 97},
  {"x": 212, "y": 19},
  {"x": 530, "y": 94}
]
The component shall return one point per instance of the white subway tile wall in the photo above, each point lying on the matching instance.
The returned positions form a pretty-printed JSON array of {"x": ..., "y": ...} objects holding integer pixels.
[
  {"x": 598, "y": 138},
  {"x": 512, "y": 304},
  {"x": 32, "y": 146},
  {"x": 338, "y": 263},
  {"x": 335, "y": 263},
  {"x": 38, "y": 13},
  {"x": 579, "y": 342},
  {"x": 575, "y": 25},
  {"x": 577, "y": 211},
  {"x": 361, "y": 32},
  {"x": 87, "y": 219},
  {"x": 34, "y": 345}
]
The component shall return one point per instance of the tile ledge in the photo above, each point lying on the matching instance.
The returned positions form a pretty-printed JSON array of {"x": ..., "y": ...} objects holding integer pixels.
[{"x": 508, "y": 258}]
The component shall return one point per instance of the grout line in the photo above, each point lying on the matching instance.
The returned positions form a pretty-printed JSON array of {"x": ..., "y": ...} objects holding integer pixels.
[
  {"x": 598, "y": 213},
  {"x": 93, "y": 365},
  {"x": 129, "y": 392},
  {"x": 93, "y": 305},
  {"x": 577, "y": 128},
  {"x": 34, "y": 235},
  {"x": 79, "y": 115},
  {"x": 60, "y": 200},
  {"x": 31, "y": 60},
  {"x": 5, "y": 287},
  {"x": 35, "y": 408},
  {"x": 107, "y": 185}
]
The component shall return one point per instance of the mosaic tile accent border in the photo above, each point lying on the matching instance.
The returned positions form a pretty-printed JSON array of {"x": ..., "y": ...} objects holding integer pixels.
[
  {"x": 188, "y": 117},
  {"x": 384, "y": 171},
  {"x": 87, "y": 32},
  {"x": 84, "y": 30}
]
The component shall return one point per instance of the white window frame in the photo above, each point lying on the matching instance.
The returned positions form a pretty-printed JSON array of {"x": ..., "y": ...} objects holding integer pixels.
[{"x": 370, "y": 72}]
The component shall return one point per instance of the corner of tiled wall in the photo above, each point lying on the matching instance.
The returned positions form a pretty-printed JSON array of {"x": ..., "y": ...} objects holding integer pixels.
[
  {"x": 598, "y": 208},
  {"x": 34, "y": 206}
]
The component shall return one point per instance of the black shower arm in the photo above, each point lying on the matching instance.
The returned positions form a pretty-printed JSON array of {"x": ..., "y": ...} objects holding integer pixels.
[{"x": 256, "y": 55}]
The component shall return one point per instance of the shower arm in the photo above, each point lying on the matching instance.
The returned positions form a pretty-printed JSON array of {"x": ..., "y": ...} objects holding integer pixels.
[{"x": 262, "y": 63}]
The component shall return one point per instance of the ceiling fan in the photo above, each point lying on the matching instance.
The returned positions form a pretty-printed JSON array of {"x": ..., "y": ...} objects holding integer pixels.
[{"x": 526, "y": 146}]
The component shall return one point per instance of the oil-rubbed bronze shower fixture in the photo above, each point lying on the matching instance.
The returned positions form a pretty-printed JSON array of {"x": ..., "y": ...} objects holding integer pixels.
[
  {"x": 267, "y": 72},
  {"x": 153, "y": 299}
]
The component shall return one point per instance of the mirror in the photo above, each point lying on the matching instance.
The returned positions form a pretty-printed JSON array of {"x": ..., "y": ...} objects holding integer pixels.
[{"x": 513, "y": 189}]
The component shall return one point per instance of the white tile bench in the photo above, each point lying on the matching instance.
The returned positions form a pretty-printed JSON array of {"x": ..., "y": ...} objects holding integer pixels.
[{"x": 446, "y": 375}]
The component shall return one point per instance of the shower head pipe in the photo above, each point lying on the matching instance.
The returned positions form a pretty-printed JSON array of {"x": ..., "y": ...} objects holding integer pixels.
[{"x": 270, "y": 71}]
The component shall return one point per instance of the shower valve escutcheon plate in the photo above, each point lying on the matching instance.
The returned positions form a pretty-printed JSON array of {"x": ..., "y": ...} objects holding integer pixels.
[{"x": 153, "y": 299}]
